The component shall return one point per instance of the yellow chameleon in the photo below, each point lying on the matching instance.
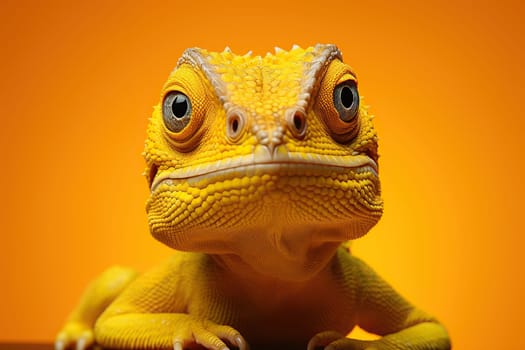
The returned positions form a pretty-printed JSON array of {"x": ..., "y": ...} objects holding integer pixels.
[{"x": 259, "y": 169}]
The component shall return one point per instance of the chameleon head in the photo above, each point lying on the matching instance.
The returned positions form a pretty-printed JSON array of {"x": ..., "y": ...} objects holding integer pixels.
[{"x": 268, "y": 158}]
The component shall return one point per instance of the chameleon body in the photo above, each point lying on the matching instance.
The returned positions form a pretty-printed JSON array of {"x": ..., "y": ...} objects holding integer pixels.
[{"x": 260, "y": 168}]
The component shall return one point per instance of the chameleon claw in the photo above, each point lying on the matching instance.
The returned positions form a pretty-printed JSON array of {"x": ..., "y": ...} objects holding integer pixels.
[
  {"x": 240, "y": 342},
  {"x": 59, "y": 345},
  {"x": 177, "y": 345},
  {"x": 81, "y": 344},
  {"x": 323, "y": 339}
]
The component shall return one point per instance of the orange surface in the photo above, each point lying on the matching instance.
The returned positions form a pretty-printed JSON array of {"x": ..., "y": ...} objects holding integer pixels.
[{"x": 78, "y": 81}]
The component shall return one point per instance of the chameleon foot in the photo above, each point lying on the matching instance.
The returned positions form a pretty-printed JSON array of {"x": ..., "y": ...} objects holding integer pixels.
[
  {"x": 74, "y": 334},
  {"x": 208, "y": 335},
  {"x": 331, "y": 340}
]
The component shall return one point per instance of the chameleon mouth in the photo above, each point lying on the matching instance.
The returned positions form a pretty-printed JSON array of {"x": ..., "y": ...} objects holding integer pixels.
[{"x": 249, "y": 165}]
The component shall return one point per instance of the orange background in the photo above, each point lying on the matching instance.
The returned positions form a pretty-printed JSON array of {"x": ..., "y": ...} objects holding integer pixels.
[{"x": 78, "y": 81}]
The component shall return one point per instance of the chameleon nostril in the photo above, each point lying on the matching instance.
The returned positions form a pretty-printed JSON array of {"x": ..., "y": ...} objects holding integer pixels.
[
  {"x": 234, "y": 126},
  {"x": 296, "y": 123}
]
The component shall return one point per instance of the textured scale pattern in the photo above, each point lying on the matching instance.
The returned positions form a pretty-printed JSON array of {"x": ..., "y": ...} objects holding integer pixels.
[
  {"x": 263, "y": 92},
  {"x": 258, "y": 191}
]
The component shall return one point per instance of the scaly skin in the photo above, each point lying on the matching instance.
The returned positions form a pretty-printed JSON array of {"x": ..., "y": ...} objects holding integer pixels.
[{"x": 259, "y": 168}]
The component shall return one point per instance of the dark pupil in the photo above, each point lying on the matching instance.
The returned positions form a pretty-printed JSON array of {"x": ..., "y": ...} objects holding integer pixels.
[
  {"x": 347, "y": 97},
  {"x": 179, "y": 106}
]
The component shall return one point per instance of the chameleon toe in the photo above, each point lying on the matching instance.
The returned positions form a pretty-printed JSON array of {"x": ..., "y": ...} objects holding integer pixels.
[
  {"x": 241, "y": 343},
  {"x": 323, "y": 339},
  {"x": 177, "y": 345},
  {"x": 60, "y": 345}
]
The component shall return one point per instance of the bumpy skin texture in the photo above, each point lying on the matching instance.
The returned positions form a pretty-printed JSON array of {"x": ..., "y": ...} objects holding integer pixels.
[{"x": 259, "y": 169}]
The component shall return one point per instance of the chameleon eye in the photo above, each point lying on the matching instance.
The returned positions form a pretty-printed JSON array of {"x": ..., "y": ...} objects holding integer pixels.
[
  {"x": 346, "y": 100},
  {"x": 176, "y": 111},
  {"x": 339, "y": 107}
]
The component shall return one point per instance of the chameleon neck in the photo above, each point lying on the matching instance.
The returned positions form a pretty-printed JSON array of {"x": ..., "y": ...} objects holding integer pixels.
[{"x": 286, "y": 264}]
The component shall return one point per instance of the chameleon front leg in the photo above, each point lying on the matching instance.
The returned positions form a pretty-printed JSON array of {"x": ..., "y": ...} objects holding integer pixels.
[
  {"x": 153, "y": 312},
  {"x": 78, "y": 330},
  {"x": 164, "y": 331},
  {"x": 383, "y": 311}
]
